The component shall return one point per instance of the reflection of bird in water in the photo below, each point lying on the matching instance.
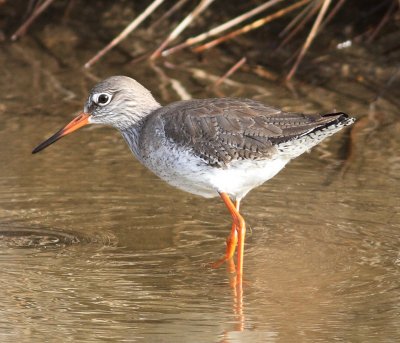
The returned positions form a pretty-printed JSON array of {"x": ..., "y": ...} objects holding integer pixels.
[{"x": 207, "y": 147}]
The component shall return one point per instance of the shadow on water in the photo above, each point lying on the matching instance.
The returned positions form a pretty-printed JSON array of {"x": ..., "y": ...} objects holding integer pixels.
[{"x": 117, "y": 255}]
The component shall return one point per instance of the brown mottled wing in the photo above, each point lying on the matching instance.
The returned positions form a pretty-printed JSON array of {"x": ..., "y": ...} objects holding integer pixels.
[{"x": 226, "y": 129}]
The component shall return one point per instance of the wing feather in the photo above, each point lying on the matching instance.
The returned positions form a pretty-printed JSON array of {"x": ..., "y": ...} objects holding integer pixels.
[{"x": 226, "y": 129}]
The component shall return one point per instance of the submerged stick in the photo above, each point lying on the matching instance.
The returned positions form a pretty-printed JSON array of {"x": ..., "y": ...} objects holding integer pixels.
[
  {"x": 39, "y": 10},
  {"x": 182, "y": 26},
  {"x": 221, "y": 28},
  {"x": 310, "y": 38},
  {"x": 132, "y": 26},
  {"x": 255, "y": 25},
  {"x": 231, "y": 70}
]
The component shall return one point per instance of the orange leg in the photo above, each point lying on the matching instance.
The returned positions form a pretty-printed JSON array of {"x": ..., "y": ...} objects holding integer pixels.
[
  {"x": 231, "y": 242},
  {"x": 237, "y": 234}
]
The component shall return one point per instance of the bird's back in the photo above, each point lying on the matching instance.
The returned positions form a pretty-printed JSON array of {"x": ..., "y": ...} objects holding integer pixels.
[{"x": 224, "y": 130}]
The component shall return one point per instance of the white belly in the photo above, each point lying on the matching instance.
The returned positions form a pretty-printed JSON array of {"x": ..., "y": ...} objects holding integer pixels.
[{"x": 180, "y": 168}]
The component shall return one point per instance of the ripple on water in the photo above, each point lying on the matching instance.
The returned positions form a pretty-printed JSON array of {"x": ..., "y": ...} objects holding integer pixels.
[{"x": 42, "y": 238}]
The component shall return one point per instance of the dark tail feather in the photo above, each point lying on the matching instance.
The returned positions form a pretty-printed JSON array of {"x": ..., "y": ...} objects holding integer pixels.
[{"x": 339, "y": 118}]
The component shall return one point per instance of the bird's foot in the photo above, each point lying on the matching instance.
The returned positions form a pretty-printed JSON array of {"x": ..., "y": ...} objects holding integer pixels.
[
  {"x": 231, "y": 243},
  {"x": 218, "y": 263}
]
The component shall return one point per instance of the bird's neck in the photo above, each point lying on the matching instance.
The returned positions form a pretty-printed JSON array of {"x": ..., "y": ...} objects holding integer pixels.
[{"x": 131, "y": 133}]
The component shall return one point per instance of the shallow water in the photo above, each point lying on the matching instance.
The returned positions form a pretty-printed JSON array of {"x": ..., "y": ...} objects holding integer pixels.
[{"x": 93, "y": 247}]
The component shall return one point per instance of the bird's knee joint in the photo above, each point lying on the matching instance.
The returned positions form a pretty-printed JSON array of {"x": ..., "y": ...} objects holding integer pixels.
[{"x": 240, "y": 223}]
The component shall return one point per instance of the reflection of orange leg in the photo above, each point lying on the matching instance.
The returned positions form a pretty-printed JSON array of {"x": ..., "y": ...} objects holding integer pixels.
[
  {"x": 231, "y": 242},
  {"x": 237, "y": 236},
  {"x": 240, "y": 226}
]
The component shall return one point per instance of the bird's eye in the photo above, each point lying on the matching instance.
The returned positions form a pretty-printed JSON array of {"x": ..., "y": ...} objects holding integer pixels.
[{"x": 102, "y": 99}]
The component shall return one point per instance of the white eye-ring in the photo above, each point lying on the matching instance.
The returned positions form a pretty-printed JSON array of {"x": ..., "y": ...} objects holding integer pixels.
[{"x": 101, "y": 99}]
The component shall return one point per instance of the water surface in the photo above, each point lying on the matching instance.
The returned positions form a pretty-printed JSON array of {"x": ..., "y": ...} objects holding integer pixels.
[{"x": 93, "y": 247}]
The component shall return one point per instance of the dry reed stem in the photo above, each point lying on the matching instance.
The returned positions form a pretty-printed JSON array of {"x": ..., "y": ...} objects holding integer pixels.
[
  {"x": 329, "y": 17},
  {"x": 231, "y": 70},
  {"x": 181, "y": 26},
  {"x": 382, "y": 22},
  {"x": 261, "y": 72},
  {"x": 166, "y": 82},
  {"x": 32, "y": 5},
  {"x": 163, "y": 82},
  {"x": 38, "y": 10},
  {"x": 201, "y": 74},
  {"x": 167, "y": 14},
  {"x": 301, "y": 25},
  {"x": 221, "y": 28},
  {"x": 255, "y": 25},
  {"x": 132, "y": 26},
  {"x": 140, "y": 58},
  {"x": 310, "y": 38},
  {"x": 332, "y": 13},
  {"x": 296, "y": 19},
  {"x": 68, "y": 9}
]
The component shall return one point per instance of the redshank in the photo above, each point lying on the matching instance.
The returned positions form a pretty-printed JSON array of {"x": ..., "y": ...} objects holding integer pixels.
[{"x": 209, "y": 147}]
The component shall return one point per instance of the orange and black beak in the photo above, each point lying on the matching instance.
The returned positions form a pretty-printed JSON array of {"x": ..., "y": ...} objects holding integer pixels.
[{"x": 81, "y": 120}]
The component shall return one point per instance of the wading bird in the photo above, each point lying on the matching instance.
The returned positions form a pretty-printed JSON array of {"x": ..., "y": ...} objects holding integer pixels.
[{"x": 210, "y": 147}]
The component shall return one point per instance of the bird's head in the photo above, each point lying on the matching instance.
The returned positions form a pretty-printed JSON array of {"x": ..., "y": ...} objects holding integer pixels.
[{"x": 118, "y": 101}]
